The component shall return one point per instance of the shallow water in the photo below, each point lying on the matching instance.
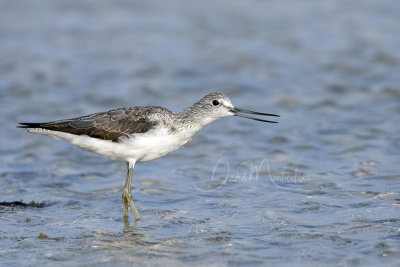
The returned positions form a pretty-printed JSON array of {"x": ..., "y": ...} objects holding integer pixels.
[{"x": 319, "y": 188}]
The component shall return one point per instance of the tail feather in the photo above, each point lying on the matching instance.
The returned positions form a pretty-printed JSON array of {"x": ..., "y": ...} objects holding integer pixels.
[{"x": 60, "y": 126}]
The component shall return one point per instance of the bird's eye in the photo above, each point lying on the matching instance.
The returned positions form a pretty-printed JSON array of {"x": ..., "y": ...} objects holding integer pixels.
[{"x": 215, "y": 102}]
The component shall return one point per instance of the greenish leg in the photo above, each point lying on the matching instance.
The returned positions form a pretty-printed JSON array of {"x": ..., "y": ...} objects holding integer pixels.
[{"x": 127, "y": 194}]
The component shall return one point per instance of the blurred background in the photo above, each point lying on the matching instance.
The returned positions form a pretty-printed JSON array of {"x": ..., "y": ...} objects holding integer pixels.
[{"x": 327, "y": 186}]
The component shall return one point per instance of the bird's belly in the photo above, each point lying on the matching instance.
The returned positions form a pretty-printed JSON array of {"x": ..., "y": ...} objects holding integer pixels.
[
  {"x": 148, "y": 147},
  {"x": 140, "y": 147}
]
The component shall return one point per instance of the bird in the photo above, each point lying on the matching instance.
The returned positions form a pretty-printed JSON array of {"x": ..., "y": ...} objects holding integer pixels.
[{"x": 142, "y": 133}]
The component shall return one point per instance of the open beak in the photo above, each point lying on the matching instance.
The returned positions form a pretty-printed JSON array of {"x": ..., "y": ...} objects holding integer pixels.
[{"x": 240, "y": 111}]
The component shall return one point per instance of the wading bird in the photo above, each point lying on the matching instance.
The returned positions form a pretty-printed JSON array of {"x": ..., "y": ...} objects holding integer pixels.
[{"x": 140, "y": 134}]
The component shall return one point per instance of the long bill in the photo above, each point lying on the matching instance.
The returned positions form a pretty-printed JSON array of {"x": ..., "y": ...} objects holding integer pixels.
[{"x": 240, "y": 111}]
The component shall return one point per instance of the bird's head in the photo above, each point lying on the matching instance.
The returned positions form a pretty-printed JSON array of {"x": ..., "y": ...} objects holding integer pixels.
[{"x": 217, "y": 105}]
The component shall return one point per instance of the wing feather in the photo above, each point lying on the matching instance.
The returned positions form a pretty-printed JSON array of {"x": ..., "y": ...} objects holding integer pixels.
[{"x": 110, "y": 125}]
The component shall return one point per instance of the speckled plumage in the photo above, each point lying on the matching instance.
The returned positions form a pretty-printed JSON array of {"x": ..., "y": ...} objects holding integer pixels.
[{"x": 139, "y": 134}]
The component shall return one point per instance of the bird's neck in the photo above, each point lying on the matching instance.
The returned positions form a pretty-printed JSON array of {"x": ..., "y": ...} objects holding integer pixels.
[{"x": 193, "y": 119}]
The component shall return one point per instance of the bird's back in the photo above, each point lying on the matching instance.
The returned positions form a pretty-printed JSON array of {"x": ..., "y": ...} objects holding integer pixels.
[
  {"x": 109, "y": 125},
  {"x": 119, "y": 134}
]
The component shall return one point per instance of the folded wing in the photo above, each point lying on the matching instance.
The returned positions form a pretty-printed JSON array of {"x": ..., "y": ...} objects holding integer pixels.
[{"x": 110, "y": 125}]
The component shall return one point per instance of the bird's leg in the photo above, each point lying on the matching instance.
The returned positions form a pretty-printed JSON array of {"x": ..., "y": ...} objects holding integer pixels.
[{"x": 127, "y": 193}]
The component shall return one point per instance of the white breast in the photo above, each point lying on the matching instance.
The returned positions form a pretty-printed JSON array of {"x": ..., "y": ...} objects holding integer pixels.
[
  {"x": 139, "y": 147},
  {"x": 153, "y": 144}
]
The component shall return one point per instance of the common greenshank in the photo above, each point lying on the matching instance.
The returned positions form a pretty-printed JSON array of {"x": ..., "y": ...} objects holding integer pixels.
[{"x": 140, "y": 134}]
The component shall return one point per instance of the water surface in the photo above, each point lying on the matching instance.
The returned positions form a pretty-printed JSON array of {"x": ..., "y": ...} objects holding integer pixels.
[{"x": 319, "y": 188}]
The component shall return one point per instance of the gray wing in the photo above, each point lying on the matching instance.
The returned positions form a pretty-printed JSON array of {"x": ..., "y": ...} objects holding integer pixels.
[{"x": 110, "y": 125}]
